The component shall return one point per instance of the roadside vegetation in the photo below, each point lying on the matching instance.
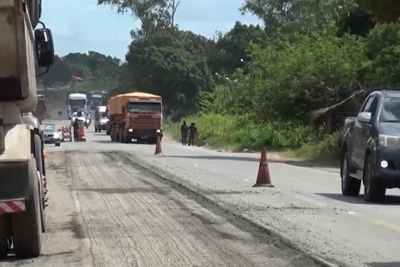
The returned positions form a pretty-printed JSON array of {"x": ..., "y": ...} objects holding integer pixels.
[{"x": 256, "y": 85}]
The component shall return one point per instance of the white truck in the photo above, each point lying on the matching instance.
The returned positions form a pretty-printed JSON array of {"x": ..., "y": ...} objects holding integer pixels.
[
  {"x": 22, "y": 184},
  {"x": 96, "y": 100},
  {"x": 76, "y": 101}
]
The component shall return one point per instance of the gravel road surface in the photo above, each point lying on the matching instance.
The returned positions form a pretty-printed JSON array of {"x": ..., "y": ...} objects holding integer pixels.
[
  {"x": 117, "y": 204},
  {"x": 106, "y": 208},
  {"x": 306, "y": 204}
]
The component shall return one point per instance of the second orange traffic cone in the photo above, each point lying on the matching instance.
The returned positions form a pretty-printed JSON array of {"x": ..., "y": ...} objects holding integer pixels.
[
  {"x": 263, "y": 177},
  {"x": 158, "y": 147}
]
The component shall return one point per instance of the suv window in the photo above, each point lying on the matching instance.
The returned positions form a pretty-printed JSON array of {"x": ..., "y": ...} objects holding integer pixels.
[
  {"x": 366, "y": 104},
  {"x": 373, "y": 107}
]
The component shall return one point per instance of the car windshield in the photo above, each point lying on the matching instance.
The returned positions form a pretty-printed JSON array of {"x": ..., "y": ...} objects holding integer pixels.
[
  {"x": 390, "y": 110},
  {"x": 145, "y": 107},
  {"x": 50, "y": 127}
]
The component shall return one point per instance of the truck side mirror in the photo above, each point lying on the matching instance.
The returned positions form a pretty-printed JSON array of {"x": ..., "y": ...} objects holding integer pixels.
[
  {"x": 364, "y": 117},
  {"x": 44, "y": 47}
]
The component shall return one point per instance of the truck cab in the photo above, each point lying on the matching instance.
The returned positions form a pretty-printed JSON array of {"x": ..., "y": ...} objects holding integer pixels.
[{"x": 371, "y": 147}]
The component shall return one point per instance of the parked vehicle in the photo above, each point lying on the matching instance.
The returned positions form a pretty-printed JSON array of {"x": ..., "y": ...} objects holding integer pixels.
[
  {"x": 371, "y": 147},
  {"x": 52, "y": 135}
]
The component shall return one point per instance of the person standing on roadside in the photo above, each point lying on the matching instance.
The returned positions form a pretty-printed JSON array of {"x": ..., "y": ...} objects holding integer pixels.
[
  {"x": 184, "y": 131},
  {"x": 192, "y": 133},
  {"x": 76, "y": 126}
]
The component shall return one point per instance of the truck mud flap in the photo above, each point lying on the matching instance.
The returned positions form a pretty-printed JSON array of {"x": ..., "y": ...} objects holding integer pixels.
[
  {"x": 12, "y": 206},
  {"x": 14, "y": 180}
]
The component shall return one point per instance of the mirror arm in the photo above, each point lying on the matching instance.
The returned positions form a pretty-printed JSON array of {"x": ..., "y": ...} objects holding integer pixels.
[
  {"x": 43, "y": 73},
  {"x": 43, "y": 25}
]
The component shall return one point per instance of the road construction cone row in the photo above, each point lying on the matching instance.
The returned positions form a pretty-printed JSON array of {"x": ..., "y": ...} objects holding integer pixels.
[
  {"x": 263, "y": 176},
  {"x": 158, "y": 147}
]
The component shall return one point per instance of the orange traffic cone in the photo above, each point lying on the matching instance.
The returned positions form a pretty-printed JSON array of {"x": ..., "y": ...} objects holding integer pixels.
[
  {"x": 263, "y": 177},
  {"x": 158, "y": 147}
]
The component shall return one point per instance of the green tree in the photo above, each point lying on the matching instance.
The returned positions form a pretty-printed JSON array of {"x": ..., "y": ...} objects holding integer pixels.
[
  {"x": 297, "y": 15},
  {"x": 384, "y": 10},
  {"x": 231, "y": 47},
  {"x": 173, "y": 64}
]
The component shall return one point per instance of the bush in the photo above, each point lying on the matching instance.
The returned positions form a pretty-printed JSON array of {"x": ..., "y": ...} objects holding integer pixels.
[
  {"x": 327, "y": 150},
  {"x": 240, "y": 132}
]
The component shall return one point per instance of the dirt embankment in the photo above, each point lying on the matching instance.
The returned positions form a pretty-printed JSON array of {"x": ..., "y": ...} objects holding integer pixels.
[{"x": 55, "y": 103}]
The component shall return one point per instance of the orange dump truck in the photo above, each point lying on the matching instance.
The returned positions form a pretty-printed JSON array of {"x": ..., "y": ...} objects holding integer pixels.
[{"x": 137, "y": 116}]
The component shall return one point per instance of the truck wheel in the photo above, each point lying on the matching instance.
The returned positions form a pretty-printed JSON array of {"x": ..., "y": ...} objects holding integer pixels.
[
  {"x": 126, "y": 139},
  {"x": 4, "y": 236},
  {"x": 116, "y": 137},
  {"x": 374, "y": 190},
  {"x": 39, "y": 162},
  {"x": 27, "y": 225},
  {"x": 121, "y": 136},
  {"x": 350, "y": 186}
]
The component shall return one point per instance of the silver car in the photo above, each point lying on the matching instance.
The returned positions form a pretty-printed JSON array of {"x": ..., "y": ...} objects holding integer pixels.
[{"x": 51, "y": 134}]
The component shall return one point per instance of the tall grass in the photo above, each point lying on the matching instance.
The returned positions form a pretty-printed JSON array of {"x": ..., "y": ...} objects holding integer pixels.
[{"x": 240, "y": 132}]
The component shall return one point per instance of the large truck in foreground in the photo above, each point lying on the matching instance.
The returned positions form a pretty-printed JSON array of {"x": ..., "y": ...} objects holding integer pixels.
[
  {"x": 22, "y": 218},
  {"x": 136, "y": 116}
]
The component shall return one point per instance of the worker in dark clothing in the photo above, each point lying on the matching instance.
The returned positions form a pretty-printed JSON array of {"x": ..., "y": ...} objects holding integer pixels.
[
  {"x": 192, "y": 133},
  {"x": 76, "y": 126},
  {"x": 184, "y": 132}
]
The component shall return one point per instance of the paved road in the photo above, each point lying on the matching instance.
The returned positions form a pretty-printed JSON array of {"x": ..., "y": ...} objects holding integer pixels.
[
  {"x": 306, "y": 204},
  {"x": 107, "y": 209}
]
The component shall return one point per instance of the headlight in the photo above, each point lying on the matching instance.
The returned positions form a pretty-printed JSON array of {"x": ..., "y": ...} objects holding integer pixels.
[
  {"x": 158, "y": 131},
  {"x": 391, "y": 141}
]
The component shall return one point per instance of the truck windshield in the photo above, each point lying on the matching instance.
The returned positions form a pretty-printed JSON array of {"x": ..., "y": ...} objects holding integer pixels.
[
  {"x": 103, "y": 115},
  {"x": 390, "y": 110},
  {"x": 96, "y": 99},
  {"x": 77, "y": 102},
  {"x": 145, "y": 107}
]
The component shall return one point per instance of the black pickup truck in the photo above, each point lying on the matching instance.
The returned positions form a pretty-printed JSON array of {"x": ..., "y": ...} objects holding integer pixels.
[{"x": 371, "y": 147}]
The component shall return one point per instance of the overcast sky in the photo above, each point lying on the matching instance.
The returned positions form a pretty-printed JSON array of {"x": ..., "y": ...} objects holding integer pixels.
[{"x": 82, "y": 25}]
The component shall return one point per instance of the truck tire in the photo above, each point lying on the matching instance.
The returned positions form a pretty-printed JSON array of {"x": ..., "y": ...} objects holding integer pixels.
[
  {"x": 374, "y": 190},
  {"x": 27, "y": 232},
  {"x": 350, "y": 186},
  {"x": 121, "y": 136},
  {"x": 39, "y": 162},
  {"x": 4, "y": 235},
  {"x": 126, "y": 139}
]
